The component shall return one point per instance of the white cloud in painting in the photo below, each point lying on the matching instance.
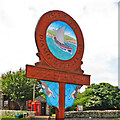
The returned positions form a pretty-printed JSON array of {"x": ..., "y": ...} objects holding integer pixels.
[
  {"x": 51, "y": 28},
  {"x": 69, "y": 34}
]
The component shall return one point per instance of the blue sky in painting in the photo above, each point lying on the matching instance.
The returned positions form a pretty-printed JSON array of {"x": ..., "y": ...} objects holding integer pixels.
[{"x": 58, "y": 24}]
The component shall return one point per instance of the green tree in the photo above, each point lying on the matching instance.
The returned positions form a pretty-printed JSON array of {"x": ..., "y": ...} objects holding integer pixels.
[
  {"x": 18, "y": 88},
  {"x": 101, "y": 96}
]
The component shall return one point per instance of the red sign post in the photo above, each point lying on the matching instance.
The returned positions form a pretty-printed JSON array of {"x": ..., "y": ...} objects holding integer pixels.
[{"x": 51, "y": 68}]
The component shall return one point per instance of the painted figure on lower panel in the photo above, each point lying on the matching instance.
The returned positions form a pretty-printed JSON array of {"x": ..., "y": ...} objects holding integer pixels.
[{"x": 51, "y": 90}]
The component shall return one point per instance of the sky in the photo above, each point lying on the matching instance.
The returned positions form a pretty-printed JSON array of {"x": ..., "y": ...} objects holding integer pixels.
[{"x": 98, "y": 20}]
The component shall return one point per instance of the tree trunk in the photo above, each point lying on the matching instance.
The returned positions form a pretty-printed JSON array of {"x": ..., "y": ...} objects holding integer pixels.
[{"x": 20, "y": 105}]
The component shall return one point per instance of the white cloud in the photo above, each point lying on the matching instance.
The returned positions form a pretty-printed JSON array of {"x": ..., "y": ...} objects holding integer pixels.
[{"x": 98, "y": 21}]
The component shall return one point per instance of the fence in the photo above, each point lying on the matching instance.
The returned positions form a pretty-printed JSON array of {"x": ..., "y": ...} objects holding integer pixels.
[
  {"x": 93, "y": 114},
  {"x": 15, "y": 112}
]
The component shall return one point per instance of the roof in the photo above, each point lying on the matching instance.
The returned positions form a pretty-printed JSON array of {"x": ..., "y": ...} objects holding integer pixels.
[{"x": 41, "y": 99}]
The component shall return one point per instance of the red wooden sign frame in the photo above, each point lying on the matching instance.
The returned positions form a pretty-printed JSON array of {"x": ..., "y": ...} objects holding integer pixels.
[
  {"x": 44, "y": 52},
  {"x": 52, "y": 69},
  {"x": 57, "y": 76}
]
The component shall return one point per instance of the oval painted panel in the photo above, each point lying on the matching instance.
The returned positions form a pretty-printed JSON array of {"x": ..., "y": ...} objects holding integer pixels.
[{"x": 61, "y": 40}]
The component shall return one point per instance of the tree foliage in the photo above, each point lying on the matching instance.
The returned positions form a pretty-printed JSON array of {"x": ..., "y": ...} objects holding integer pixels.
[
  {"x": 101, "y": 96},
  {"x": 18, "y": 88}
]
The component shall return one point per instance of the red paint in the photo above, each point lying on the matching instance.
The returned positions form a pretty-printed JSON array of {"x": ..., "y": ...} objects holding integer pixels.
[
  {"x": 44, "y": 52},
  {"x": 60, "y": 111},
  {"x": 35, "y": 106},
  {"x": 29, "y": 103},
  {"x": 61, "y": 100},
  {"x": 57, "y": 75}
]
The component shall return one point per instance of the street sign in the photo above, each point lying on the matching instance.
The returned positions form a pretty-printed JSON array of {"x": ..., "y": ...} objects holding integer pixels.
[{"x": 60, "y": 47}]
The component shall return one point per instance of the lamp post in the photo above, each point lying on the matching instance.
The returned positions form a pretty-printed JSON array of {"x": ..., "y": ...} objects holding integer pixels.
[{"x": 34, "y": 92}]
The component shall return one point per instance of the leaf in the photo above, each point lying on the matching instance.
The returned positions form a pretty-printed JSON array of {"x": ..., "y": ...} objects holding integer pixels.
[{"x": 18, "y": 87}]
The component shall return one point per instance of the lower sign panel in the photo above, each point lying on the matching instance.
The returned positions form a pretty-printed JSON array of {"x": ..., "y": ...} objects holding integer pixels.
[{"x": 51, "y": 91}]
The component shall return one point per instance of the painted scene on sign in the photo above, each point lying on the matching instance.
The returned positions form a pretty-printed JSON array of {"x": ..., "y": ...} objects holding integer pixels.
[
  {"x": 51, "y": 91},
  {"x": 61, "y": 40}
]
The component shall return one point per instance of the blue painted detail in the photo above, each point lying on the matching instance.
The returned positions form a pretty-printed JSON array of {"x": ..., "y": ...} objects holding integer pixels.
[{"x": 53, "y": 99}]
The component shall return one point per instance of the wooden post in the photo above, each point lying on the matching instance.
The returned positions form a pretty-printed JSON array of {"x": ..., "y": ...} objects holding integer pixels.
[
  {"x": 60, "y": 111},
  {"x": 49, "y": 68}
]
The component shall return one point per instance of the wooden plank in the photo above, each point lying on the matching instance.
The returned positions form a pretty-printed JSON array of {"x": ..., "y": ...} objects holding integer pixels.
[{"x": 56, "y": 75}]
